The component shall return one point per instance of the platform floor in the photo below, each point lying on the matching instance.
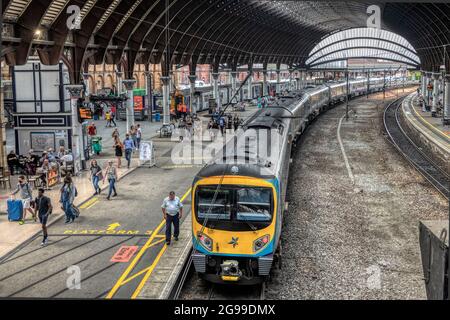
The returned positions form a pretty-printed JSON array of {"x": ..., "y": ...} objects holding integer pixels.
[
  {"x": 132, "y": 221},
  {"x": 351, "y": 231},
  {"x": 435, "y": 125}
]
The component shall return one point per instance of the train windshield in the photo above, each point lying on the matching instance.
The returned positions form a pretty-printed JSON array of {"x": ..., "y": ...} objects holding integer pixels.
[
  {"x": 253, "y": 204},
  {"x": 234, "y": 207},
  {"x": 218, "y": 208}
]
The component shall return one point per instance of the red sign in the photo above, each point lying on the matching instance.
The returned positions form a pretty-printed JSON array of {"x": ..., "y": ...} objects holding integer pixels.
[
  {"x": 124, "y": 254},
  {"x": 138, "y": 103}
]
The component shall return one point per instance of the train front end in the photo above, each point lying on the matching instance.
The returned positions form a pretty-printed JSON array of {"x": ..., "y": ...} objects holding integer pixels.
[{"x": 235, "y": 229}]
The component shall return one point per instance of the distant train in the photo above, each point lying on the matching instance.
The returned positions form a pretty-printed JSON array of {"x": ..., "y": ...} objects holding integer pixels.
[
  {"x": 205, "y": 93},
  {"x": 238, "y": 198}
]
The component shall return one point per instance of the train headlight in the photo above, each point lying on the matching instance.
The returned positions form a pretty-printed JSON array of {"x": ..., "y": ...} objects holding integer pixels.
[
  {"x": 205, "y": 241},
  {"x": 260, "y": 243}
]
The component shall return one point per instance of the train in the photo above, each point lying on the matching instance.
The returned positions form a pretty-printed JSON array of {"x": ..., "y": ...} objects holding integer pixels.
[
  {"x": 205, "y": 93},
  {"x": 239, "y": 197}
]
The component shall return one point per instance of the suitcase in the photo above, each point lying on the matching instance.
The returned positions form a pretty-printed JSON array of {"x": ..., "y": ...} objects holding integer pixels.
[{"x": 15, "y": 209}]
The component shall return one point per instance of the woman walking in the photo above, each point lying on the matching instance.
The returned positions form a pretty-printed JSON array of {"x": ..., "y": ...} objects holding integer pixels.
[
  {"x": 111, "y": 174},
  {"x": 118, "y": 147},
  {"x": 96, "y": 176},
  {"x": 68, "y": 194}
]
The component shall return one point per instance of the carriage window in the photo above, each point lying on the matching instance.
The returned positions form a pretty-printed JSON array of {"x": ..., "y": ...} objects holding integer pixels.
[
  {"x": 254, "y": 204},
  {"x": 220, "y": 209}
]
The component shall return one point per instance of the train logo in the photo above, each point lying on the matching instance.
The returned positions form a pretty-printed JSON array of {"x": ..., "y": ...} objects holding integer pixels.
[{"x": 234, "y": 241}]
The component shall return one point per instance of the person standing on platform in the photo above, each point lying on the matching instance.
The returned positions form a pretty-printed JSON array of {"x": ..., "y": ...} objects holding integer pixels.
[
  {"x": 108, "y": 119},
  {"x": 68, "y": 194},
  {"x": 96, "y": 176},
  {"x": 172, "y": 210},
  {"x": 111, "y": 174},
  {"x": 129, "y": 146},
  {"x": 26, "y": 194},
  {"x": 13, "y": 161},
  {"x": 138, "y": 136},
  {"x": 113, "y": 117},
  {"x": 44, "y": 209},
  {"x": 133, "y": 134},
  {"x": 118, "y": 149}
]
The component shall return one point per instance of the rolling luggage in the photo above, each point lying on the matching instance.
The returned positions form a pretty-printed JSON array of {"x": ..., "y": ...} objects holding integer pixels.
[{"x": 15, "y": 209}]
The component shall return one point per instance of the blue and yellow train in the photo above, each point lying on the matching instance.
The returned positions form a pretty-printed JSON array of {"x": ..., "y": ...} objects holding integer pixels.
[{"x": 238, "y": 199}]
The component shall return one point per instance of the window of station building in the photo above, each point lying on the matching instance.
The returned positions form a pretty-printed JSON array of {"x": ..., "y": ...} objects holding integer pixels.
[{"x": 339, "y": 48}]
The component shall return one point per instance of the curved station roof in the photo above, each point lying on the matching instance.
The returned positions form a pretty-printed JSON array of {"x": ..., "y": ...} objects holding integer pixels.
[{"x": 228, "y": 32}]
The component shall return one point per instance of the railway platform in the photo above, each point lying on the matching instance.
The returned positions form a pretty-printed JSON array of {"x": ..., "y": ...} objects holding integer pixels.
[{"x": 427, "y": 132}]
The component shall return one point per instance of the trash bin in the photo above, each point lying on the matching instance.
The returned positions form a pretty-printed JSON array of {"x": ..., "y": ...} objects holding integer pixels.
[
  {"x": 97, "y": 145},
  {"x": 157, "y": 117}
]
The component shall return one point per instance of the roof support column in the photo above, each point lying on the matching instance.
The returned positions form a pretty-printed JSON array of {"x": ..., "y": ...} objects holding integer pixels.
[
  {"x": 424, "y": 87},
  {"x": 129, "y": 85},
  {"x": 192, "y": 79},
  {"x": 3, "y": 161},
  {"x": 166, "y": 92},
  {"x": 291, "y": 72},
  {"x": 447, "y": 101},
  {"x": 265, "y": 84},
  {"x": 427, "y": 92},
  {"x": 435, "y": 94},
  {"x": 233, "y": 82},
  {"x": 249, "y": 82},
  {"x": 216, "y": 93},
  {"x": 149, "y": 91},
  {"x": 278, "y": 71},
  {"x": 75, "y": 91},
  {"x": 119, "y": 76},
  {"x": 86, "y": 84}
]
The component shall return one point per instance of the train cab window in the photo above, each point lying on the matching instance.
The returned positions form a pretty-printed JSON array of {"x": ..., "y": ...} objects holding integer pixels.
[
  {"x": 253, "y": 204},
  {"x": 220, "y": 209}
]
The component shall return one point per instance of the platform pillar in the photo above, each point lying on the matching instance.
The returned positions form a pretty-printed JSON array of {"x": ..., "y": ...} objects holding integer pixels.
[
  {"x": 424, "y": 85},
  {"x": 249, "y": 85},
  {"x": 3, "y": 122},
  {"x": 265, "y": 83},
  {"x": 291, "y": 72},
  {"x": 233, "y": 84},
  {"x": 129, "y": 85},
  {"x": 447, "y": 101},
  {"x": 192, "y": 106},
  {"x": 75, "y": 92},
  {"x": 435, "y": 94},
  {"x": 149, "y": 93},
  {"x": 119, "y": 82},
  {"x": 166, "y": 107},
  {"x": 216, "y": 93},
  {"x": 278, "y": 86},
  {"x": 86, "y": 84}
]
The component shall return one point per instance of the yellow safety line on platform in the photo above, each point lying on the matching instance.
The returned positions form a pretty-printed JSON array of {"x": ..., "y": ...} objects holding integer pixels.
[
  {"x": 88, "y": 203},
  {"x": 149, "y": 272},
  {"x": 134, "y": 276},
  {"x": 433, "y": 127},
  {"x": 141, "y": 252}
]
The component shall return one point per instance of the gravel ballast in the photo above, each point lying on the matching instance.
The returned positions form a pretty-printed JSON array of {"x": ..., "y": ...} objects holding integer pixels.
[{"x": 345, "y": 241}]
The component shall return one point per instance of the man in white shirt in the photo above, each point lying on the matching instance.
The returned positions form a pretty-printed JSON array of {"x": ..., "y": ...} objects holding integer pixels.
[{"x": 172, "y": 210}]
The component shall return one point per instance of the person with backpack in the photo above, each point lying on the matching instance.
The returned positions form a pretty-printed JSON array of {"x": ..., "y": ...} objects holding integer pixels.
[
  {"x": 26, "y": 194},
  {"x": 43, "y": 207},
  {"x": 111, "y": 174},
  {"x": 68, "y": 194}
]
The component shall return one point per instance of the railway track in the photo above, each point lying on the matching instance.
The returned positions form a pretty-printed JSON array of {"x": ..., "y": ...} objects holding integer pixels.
[
  {"x": 216, "y": 291},
  {"x": 415, "y": 156}
]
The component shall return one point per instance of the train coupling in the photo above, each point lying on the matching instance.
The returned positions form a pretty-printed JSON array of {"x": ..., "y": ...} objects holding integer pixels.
[{"x": 230, "y": 270}]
